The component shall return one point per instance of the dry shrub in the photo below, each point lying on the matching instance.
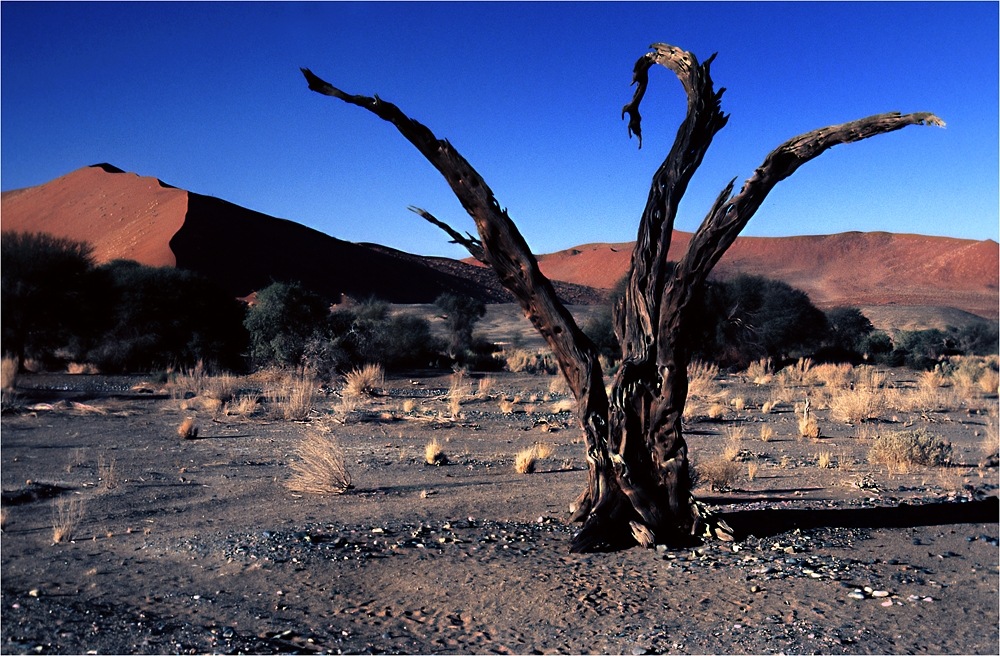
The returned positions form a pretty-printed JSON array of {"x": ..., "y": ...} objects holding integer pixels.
[
  {"x": 484, "y": 387},
  {"x": 989, "y": 383},
  {"x": 293, "y": 398},
  {"x": 766, "y": 433},
  {"x": 243, "y": 405},
  {"x": 364, "y": 381},
  {"x": 222, "y": 387},
  {"x": 458, "y": 392},
  {"x": 809, "y": 428},
  {"x": 107, "y": 470},
  {"x": 188, "y": 430},
  {"x": 67, "y": 513},
  {"x": 752, "y": 468},
  {"x": 799, "y": 373},
  {"x": 768, "y": 407},
  {"x": 202, "y": 404},
  {"x": 8, "y": 373},
  {"x": 834, "y": 376},
  {"x": 319, "y": 466},
  {"x": 824, "y": 459},
  {"x": 702, "y": 379},
  {"x": 719, "y": 473},
  {"x": 506, "y": 406},
  {"x": 532, "y": 362},
  {"x": 563, "y": 405},
  {"x": 558, "y": 385},
  {"x": 527, "y": 459},
  {"x": 434, "y": 454},
  {"x": 82, "y": 368},
  {"x": 739, "y": 403},
  {"x": 760, "y": 372},
  {"x": 900, "y": 450},
  {"x": 868, "y": 399},
  {"x": 991, "y": 441},
  {"x": 409, "y": 405}
]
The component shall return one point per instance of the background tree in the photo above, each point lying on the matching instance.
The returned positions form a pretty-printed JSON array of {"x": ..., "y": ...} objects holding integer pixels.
[
  {"x": 47, "y": 286},
  {"x": 461, "y": 314},
  {"x": 282, "y": 320},
  {"x": 638, "y": 478},
  {"x": 158, "y": 317}
]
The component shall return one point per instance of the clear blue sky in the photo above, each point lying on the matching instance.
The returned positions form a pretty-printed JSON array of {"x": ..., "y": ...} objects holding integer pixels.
[{"x": 208, "y": 97}]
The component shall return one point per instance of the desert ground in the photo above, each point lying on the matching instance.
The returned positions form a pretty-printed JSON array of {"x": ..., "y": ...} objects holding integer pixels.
[{"x": 121, "y": 536}]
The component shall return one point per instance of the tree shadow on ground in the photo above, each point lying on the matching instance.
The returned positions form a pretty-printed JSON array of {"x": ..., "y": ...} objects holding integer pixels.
[{"x": 771, "y": 522}]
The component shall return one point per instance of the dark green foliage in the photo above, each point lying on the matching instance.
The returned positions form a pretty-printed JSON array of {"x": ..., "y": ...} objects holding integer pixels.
[
  {"x": 922, "y": 349},
  {"x": 47, "y": 287},
  {"x": 848, "y": 329},
  {"x": 460, "y": 313},
  {"x": 369, "y": 334},
  {"x": 601, "y": 330},
  {"x": 284, "y": 318},
  {"x": 157, "y": 317}
]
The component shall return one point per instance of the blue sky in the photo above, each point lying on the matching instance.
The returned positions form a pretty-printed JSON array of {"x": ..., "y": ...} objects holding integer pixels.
[{"x": 208, "y": 97}]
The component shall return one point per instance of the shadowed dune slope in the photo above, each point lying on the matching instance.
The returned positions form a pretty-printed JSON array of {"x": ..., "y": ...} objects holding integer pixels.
[
  {"x": 127, "y": 216},
  {"x": 853, "y": 268}
]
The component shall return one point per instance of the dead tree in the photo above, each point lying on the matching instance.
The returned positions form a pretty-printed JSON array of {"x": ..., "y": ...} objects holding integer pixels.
[{"x": 638, "y": 488}]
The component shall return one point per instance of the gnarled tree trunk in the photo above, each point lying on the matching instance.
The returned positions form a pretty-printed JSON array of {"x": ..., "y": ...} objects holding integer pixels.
[{"x": 638, "y": 487}]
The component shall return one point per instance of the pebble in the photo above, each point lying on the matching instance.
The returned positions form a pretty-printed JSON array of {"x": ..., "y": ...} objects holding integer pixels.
[
  {"x": 857, "y": 594},
  {"x": 880, "y": 593}
]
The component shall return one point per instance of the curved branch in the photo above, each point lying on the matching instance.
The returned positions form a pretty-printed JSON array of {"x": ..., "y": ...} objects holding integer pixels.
[
  {"x": 471, "y": 244},
  {"x": 729, "y": 215},
  {"x": 505, "y": 249}
]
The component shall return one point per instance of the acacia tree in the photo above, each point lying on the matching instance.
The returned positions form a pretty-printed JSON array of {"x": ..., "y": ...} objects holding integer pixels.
[{"x": 638, "y": 488}]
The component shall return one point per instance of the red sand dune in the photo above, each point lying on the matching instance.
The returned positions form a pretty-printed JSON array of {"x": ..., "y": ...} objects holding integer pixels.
[
  {"x": 124, "y": 215},
  {"x": 854, "y": 268}
]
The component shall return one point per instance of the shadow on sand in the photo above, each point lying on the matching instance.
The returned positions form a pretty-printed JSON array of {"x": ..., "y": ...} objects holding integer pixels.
[{"x": 771, "y": 522}]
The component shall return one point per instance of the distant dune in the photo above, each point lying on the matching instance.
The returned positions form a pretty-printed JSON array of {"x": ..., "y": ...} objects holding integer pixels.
[
  {"x": 854, "y": 268},
  {"x": 124, "y": 215}
]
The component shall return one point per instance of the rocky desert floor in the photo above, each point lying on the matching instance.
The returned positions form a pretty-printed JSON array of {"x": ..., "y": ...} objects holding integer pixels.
[{"x": 119, "y": 536}]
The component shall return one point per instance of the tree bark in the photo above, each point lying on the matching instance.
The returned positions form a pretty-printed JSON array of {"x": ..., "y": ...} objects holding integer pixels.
[{"x": 638, "y": 487}]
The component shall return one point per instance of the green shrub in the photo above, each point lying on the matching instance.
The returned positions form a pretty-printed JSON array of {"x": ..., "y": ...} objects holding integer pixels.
[
  {"x": 284, "y": 318},
  {"x": 901, "y": 449}
]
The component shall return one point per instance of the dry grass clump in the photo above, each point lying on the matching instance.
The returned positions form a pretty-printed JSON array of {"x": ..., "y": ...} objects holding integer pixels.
[
  {"x": 760, "y": 372},
  {"x": 8, "y": 373},
  {"x": 719, "y": 473},
  {"x": 434, "y": 454},
  {"x": 293, "y": 398},
  {"x": 458, "y": 392},
  {"x": 534, "y": 362},
  {"x": 705, "y": 395},
  {"x": 868, "y": 399},
  {"x": 563, "y": 405},
  {"x": 82, "y": 368},
  {"x": 188, "y": 430},
  {"x": 766, "y": 433},
  {"x": 900, "y": 450},
  {"x": 484, "y": 387},
  {"x": 319, "y": 466},
  {"x": 506, "y": 406},
  {"x": 367, "y": 380},
  {"x": 834, "y": 376},
  {"x": 222, "y": 387},
  {"x": 107, "y": 470},
  {"x": 67, "y": 513},
  {"x": 244, "y": 405},
  {"x": 799, "y": 373},
  {"x": 808, "y": 425},
  {"x": 752, "y": 468},
  {"x": 526, "y": 460},
  {"x": 824, "y": 459}
]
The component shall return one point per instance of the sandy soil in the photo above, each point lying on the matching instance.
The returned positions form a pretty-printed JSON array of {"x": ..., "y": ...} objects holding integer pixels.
[{"x": 187, "y": 546}]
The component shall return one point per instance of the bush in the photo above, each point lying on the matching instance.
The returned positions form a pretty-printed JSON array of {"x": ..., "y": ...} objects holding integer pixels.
[
  {"x": 46, "y": 291},
  {"x": 461, "y": 314},
  {"x": 281, "y": 322},
  {"x": 160, "y": 317},
  {"x": 900, "y": 450}
]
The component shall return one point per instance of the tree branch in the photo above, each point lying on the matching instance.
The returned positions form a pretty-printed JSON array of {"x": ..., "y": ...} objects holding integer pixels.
[{"x": 471, "y": 244}]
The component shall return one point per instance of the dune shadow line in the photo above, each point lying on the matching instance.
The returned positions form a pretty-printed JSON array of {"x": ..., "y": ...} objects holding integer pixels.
[{"x": 771, "y": 522}]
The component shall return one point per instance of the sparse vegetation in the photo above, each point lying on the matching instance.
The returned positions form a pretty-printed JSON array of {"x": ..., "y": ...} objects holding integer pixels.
[
  {"x": 292, "y": 399},
  {"x": 527, "y": 459},
  {"x": 434, "y": 454},
  {"x": 900, "y": 450},
  {"x": 318, "y": 466},
  {"x": 67, "y": 513},
  {"x": 719, "y": 472},
  {"x": 367, "y": 380},
  {"x": 188, "y": 430}
]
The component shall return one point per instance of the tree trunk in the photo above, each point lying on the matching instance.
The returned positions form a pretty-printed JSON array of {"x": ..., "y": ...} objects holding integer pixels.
[{"x": 638, "y": 485}]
